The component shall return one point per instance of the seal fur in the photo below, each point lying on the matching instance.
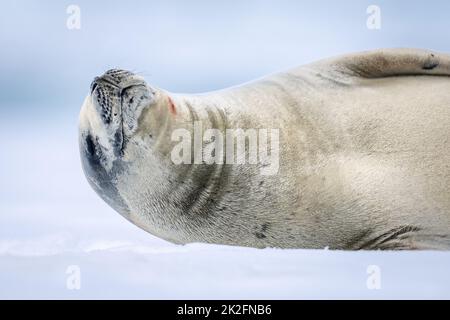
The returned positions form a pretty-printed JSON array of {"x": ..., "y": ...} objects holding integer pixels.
[{"x": 364, "y": 155}]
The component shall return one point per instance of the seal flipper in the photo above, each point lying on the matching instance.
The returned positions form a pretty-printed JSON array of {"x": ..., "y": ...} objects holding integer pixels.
[{"x": 390, "y": 63}]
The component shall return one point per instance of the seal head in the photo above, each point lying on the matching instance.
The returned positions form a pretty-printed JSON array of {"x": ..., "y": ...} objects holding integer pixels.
[{"x": 108, "y": 118}]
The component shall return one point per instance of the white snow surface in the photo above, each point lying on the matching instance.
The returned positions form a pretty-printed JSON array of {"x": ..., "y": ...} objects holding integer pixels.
[{"x": 124, "y": 270}]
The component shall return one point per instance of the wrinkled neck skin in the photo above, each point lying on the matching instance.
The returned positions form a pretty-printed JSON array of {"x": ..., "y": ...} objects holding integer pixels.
[{"x": 172, "y": 201}]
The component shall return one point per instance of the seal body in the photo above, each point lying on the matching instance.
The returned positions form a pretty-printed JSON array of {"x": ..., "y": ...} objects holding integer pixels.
[{"x": 363, "y": 159}]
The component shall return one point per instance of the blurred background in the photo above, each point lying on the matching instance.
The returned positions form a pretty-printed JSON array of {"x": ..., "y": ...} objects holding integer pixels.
[{"x": 47, "y": 63}]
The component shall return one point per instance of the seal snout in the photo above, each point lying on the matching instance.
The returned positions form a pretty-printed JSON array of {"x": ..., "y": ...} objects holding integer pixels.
[
  {"x": 116, "y": 78},
  {"x": 109, "y": 90},
  {"x": 120, "y": 97}
]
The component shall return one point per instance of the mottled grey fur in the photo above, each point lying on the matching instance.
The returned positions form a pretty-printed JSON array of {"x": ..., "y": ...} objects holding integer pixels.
[{"x": 364, "y": 156}]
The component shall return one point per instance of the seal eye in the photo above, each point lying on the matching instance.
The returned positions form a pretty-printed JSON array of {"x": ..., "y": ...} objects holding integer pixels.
[
  {"x": 94, "y": 152},
  {"x": 90, "y": 145}
]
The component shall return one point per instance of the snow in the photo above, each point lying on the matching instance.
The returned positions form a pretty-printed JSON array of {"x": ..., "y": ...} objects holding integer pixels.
[
  {"x": 120, "y": 269},
  {"x": 52, "y": 222}
]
